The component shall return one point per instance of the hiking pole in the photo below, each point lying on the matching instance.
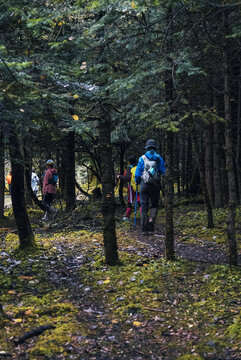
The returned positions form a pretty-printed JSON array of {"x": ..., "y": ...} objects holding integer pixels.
[{"x": 136, "y": 205}]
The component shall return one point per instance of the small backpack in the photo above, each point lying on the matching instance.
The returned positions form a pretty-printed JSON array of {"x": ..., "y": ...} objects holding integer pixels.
[
  {"x": 150, "y": 174},
  {"x": 54, "y": 179}
]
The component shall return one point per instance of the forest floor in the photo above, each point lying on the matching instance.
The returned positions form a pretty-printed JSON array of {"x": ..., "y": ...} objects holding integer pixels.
[{"x": 61, "y": 301}]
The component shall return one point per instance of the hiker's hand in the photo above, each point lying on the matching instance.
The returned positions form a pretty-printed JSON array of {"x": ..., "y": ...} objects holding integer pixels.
[{"x": 117, "y": 176}]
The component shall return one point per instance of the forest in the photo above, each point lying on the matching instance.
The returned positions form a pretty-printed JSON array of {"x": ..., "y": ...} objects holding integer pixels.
[{"x": 86, "y": 84}]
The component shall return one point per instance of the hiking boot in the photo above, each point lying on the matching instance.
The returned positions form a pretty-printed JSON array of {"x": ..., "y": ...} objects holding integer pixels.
[
  {"x": 125, "y": 219},
  {"x": 46, "y": 217},
  {"x": 151, "y": 226}
]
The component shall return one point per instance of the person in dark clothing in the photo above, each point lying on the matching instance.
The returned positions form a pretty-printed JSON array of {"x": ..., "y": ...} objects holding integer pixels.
[
  {"x": 131, "y": 191},
  {"x": 148, "y": 173}
]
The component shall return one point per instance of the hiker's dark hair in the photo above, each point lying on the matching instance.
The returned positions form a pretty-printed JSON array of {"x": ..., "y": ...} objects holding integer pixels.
[{"x": 132, "y": 159}]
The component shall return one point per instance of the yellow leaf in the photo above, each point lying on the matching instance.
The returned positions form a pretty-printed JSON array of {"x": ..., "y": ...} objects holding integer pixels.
[
  {"x": 75, "y": 96},
  {"x": 60, "y": 23},
  {"x": 11, "y": 292},
  {"x": 75, "y": 117},
  {"x": 17, "y": 321},
  {"x": 136, "y": 323},
  {"x": 106, "y": 281},
  {"x": 133, "y": 5}
]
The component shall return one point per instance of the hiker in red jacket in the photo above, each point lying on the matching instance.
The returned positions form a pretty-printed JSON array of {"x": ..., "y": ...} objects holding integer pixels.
[{"x": 49, "y": 189}]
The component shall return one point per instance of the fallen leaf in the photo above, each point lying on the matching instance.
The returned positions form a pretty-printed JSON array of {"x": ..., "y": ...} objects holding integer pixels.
[
  {"x": 136, "y": 323},
  {"x": 17, "y": 321}
]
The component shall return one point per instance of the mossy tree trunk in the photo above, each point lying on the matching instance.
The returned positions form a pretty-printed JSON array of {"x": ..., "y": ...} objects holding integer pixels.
[
  {"x": 108, "y": 183},
  {"x": 26, "y": 237}
]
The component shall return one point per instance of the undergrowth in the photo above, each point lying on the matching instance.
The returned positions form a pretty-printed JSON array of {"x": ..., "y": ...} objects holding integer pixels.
[{"x": 146, "y": 306}]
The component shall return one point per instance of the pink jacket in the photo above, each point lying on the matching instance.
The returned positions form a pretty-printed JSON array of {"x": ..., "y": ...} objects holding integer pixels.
[{"x": 49, "y": 188}]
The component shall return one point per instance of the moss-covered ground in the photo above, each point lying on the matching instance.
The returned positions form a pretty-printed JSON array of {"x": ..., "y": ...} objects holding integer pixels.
[{"x": 61, "y": 301}]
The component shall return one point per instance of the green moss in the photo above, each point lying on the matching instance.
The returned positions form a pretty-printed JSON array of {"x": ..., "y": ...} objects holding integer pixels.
[
  {"x": 52, "y": 342},
  {"x": 234, "y": 330}
]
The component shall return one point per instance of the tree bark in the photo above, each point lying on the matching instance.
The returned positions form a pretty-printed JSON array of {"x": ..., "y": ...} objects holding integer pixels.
[
  {"x": 26, "y": 237},
  {"x": 183, "y": 166},
  {"x": 233, "y": 259},
  {"x": 238, "y": 146},
  {"x": 70, "y": 171},
  {"x": 217, "y": 174},
  {"x": 209, "y": 161},
  {"x": 169, "y": 231},
  {"x": 108, "y": 183},
  {"x": 27, "y": 172},
  {"x": 200, "y": 163}
]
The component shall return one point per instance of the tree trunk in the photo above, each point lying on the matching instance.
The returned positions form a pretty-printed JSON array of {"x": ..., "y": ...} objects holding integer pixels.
[
  {"x": 233, "y": 259},
  {"x": 169, "y": 231},
  {"x": 217, "y": 174},
  {"x": 70, "y": 171},
  {"x": 188, "y": 163},
  {"x": 209, "y": 161},
  {"x": 28, "y": 173},
  {"x": 2, "y": 175},
  {"x": 224, "y": 177},
  {"x": 238, "y": 146},
  {"x": 25, "y": 233},
  {"x": 108, "y": 197},
  {"x": 200, "y": 163}
]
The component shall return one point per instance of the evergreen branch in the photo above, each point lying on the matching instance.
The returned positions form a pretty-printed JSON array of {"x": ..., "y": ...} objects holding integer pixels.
[{"x": 8, "y": 68}]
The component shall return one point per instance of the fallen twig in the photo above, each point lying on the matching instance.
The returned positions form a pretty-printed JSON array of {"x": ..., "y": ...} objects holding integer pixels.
[{"x": 38, "y": 331}]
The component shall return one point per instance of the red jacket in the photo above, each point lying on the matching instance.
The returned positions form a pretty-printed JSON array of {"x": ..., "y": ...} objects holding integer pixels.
[{"x": 49, "y": 188}]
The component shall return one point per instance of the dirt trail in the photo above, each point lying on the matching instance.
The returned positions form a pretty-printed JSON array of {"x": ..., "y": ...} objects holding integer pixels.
[{"x": 202, "y": 251}]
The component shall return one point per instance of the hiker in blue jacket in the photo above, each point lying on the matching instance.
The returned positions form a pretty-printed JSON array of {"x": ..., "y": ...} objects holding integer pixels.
[{"x": 148, "y": 173}]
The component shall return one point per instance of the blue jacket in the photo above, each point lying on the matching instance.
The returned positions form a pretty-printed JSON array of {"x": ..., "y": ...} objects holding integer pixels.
[{"x": 151, "y": 155}]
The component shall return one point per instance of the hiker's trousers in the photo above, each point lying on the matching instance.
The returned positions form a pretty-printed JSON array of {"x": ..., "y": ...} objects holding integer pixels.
[
  {"x": 149, "y": 196},
  {"x": 47, "y": 200},
  {"x": 149, "y": 193}
]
